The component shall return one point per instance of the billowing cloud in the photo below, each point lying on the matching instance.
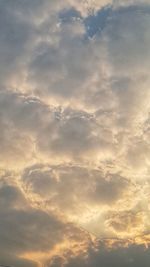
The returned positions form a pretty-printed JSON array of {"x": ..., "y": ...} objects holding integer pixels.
[
  {"x": 126, "y": 257},
  {"x": 74, "y": 133}
]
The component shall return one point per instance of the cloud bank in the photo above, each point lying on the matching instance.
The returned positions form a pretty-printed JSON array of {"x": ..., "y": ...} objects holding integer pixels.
[{"x": 74, "y": 133}]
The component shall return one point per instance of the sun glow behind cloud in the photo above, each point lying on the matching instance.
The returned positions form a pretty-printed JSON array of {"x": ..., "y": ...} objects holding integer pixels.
[{"x": 74, "y": 133}]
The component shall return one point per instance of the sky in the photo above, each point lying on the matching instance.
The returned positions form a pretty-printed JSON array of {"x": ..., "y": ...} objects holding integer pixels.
[{"x": 74, "y": 133}]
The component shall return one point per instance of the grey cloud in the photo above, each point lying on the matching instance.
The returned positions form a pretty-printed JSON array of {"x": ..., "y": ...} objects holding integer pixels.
[
  {"x": 111, "y": 189},
  {"x": 12, "y": 260},
  {"x": 14, "y": 40},
  {"x": 133, "y": 255},
  {"x": 11, "y": 197},
  {"x": 53, "y": 130},
  {"x": 25, "y": 222},
  {"x": 19, "y": 25},
  {"x": 128, "y": 40},
  {"x": 80, "y": 100},
  {"x": 25, "y": 229},
  {"x": 127, "y": 221},
  {"x": 57, "y": 68},
  {"x": 72, "y": 189}
]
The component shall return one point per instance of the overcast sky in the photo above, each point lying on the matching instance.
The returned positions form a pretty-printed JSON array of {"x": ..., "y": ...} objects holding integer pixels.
[{"x": 75, "y": 133}]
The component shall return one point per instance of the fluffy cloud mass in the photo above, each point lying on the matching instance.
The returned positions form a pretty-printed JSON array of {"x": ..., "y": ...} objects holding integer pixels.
[{"x": 74, "y": 133}]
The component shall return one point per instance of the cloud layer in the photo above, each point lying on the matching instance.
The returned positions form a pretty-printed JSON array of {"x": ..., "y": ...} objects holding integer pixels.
[{"x": 74, "y": 133}]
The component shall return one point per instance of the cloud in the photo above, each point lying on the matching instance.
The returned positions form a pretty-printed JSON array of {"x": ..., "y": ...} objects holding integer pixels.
[
  {"x": 82, "y": 195},
  {"x": 127, "y": 221},
  {"x": 124, "y": 256},
  {"x": 44, "y": 129},
  {"x": 46, "y": 180},
  {"x": 27, "y": 230},
  {"x": 74, "y": 133}
]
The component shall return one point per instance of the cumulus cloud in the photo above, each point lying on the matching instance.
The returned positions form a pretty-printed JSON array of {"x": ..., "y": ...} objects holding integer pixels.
[
  {"x": 74, "y": 133},
  {"x": 126, "y": 257},
  {"x": 53, "y": 183},
  {"x": 27, "y": 230}
]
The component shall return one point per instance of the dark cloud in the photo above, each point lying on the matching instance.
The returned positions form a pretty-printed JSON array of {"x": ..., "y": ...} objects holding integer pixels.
[
  {"x": 25, "y": 230},
  {"x": 25, "y": 222},
  {"x": 122, "y": 256},
  {"x": 11, "y": 197}
]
